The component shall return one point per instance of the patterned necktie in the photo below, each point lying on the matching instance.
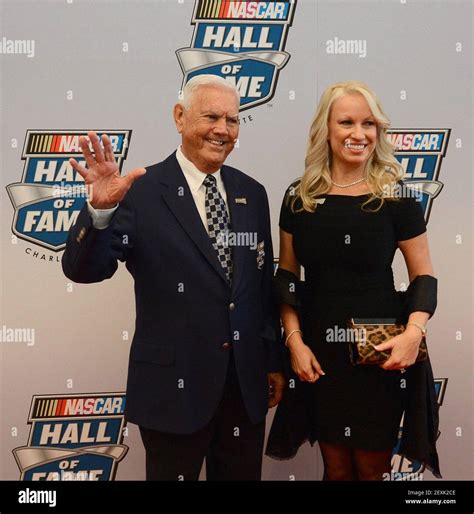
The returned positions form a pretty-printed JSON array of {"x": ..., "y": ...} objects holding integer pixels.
[{"x": 219, "y": 225}]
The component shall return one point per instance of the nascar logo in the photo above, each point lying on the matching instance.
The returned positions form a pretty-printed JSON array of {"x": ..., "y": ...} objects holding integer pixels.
[
  {"x": 73, "y": 437},
  {"x": 243, "y": 42},
  {"x": 420, "y": 152},
  {"x": 50, "y": 195}
]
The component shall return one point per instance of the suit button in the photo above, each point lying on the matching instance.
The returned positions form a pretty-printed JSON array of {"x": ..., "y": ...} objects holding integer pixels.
[
  {"x": 226, "y": 346},
  {"x": 231, "y": 306}
]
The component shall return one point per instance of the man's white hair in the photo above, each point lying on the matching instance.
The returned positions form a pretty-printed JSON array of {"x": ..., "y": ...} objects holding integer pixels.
[{"x": 202, "y": 81}]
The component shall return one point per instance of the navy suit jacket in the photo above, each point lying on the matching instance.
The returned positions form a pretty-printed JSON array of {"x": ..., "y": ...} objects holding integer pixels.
[{"x": 187, "y": 315}]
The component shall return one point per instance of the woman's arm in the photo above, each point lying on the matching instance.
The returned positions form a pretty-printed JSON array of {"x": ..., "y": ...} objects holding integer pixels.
[
  {"x": 303, "y": 361},
  {"x": 405, "y": 346},
  {"x": 287, "y": 260},
  {"x": 417, "y": 257}
]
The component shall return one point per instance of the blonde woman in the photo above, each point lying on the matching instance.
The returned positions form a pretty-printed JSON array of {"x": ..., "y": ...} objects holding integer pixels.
[{"x": 342, "y": 222}]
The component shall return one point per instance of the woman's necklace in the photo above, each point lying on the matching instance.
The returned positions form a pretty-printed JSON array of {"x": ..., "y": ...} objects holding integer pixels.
[{"x": 348, "y": 185}]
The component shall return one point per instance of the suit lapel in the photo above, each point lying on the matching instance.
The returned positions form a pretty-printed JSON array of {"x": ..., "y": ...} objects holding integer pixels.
[
  {"x": 238, "y": 216},
  {"x": 180, "y": 201}
]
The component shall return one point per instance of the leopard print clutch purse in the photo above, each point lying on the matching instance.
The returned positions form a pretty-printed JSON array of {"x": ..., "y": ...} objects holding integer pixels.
[{"x": 367, "y": 333}]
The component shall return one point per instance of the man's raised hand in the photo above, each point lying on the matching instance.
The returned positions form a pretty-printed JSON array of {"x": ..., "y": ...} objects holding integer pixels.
[{"x": 102, "y": 176}]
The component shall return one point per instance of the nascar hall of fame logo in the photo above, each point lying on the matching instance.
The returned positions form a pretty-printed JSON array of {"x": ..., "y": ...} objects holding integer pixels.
[
  {"x": 403, "y": 468},
  {"x": 242, "y": 41},
  {"x": 73, "y": 437},
  {"x": 51, "y": 193},
  {"x": 420, "y": 152}
]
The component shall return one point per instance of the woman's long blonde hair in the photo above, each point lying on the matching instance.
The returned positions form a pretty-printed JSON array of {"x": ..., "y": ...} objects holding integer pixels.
[{"x": 382, "y": 170}]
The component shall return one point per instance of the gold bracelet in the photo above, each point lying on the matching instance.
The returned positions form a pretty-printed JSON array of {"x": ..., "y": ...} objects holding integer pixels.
[
  {"x": 421, "y": 327},
  {"x": 290, "y": 334}
]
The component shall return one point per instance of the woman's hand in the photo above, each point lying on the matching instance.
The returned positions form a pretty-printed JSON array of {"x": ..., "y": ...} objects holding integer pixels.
[
  {"x": 404, "y": 349},
  {"x": 303, "y": 361}
]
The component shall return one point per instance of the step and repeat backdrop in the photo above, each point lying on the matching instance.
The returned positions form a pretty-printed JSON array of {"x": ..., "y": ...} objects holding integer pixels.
[{"x": 116, "y": 67}]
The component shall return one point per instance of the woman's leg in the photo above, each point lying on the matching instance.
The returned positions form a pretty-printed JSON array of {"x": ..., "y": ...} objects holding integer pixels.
[
  {"x": 337, "y": 462},
  {"x": 371, "y": 465}
]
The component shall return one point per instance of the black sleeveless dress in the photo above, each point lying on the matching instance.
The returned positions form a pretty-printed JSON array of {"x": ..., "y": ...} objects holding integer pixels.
[{"x": 347, "y": 255}]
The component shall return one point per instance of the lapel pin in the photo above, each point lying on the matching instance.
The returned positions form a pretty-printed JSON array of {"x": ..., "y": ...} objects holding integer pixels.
[{"x": 241, "y": 200}]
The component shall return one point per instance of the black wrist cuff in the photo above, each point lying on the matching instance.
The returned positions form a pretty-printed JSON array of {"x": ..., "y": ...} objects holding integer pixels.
[
  {"x": 285, "y": 288},
  {"x": 422, "y": 295}
]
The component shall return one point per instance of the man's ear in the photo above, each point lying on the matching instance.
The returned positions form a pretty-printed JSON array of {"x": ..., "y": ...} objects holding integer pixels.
[{"x": 178, "y": 113}]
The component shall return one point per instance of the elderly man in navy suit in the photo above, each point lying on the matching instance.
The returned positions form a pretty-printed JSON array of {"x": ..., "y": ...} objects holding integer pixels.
[{"x": 195, "y": 235}]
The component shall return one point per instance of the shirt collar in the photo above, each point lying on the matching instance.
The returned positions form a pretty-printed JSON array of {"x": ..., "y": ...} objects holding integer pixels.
[{"x": 194, "y": 177}]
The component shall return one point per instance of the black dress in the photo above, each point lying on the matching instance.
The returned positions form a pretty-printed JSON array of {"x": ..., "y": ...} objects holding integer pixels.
[{"x": 347, "y": 255}]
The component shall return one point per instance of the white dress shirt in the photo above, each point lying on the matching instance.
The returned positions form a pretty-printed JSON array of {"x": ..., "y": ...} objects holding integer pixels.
[{"x": 195, "y": 178}]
